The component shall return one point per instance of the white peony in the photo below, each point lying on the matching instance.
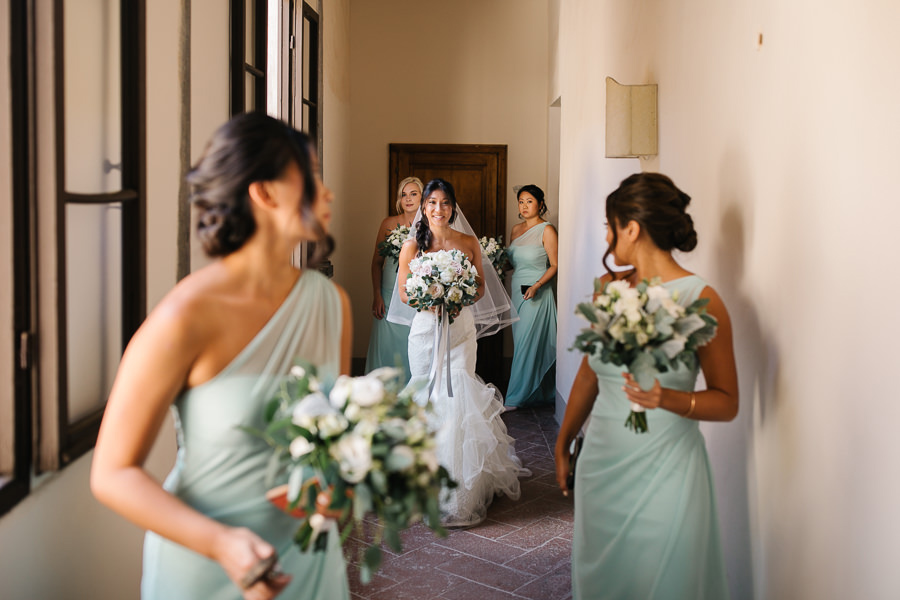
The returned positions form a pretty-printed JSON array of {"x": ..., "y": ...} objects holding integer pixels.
[
  {"x": 448, "y": 276},
  {"x": 454, "y": 294},
  {"x": 354, "y": 455}
]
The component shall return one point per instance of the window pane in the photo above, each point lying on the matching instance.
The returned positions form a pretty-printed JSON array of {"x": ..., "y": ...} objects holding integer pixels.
[
  {"x": 93, "y": 96},
  {"x": 249, "y": 32},
  {"x": 250, "y": 83},
  {"x": 305, "y": 58},
  {"x": 94, "y": 303}
]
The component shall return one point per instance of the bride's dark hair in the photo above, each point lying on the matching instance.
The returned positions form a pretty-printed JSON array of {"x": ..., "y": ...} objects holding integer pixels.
[
  {"x": 250, "y": 147},
  {"x": 423, "y": 231}
]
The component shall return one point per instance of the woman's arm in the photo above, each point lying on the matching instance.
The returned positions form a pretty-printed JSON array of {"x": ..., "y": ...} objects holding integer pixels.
[
  {"x": 152, "y": 372},
  {"x": 551, "y": 244},
  {"x": 719, "y": 402},
  {"x": 346, "y": 331},
  {"x": 377, "y": 266},
  {"x": 581, "y": 401}
]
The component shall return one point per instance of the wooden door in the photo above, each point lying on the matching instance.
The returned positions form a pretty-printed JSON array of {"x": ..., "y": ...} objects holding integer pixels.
[{"x": 478, "y": 175}]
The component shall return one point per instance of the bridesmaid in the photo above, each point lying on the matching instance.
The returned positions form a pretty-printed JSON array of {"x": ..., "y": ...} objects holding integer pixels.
[
  {"x": 214, "y": 351},
  {"x": 532, "y": 252},
  {"x": 645, "y": 511},
  {"x": 388, "y": 341}
]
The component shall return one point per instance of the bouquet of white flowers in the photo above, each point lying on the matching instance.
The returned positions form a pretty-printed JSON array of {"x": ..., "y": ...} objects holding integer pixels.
[
  {"x": 495, "y": 251},
  {"x": 443, "y": 278},
  {"x": 644, "y": 329},
  {"x": 365, "y": 448},
  {"x": 393, "y": 241}
]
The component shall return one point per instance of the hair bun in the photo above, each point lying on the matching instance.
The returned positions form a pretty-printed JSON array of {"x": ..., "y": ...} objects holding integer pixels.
[{"x": 684, "y": 236}]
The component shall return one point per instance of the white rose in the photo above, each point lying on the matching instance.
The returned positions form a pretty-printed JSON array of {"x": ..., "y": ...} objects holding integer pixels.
[
  {"x": 632, "y": 315},
  {"x": 301, "y": 447},
  {"x": 331, "y": 425},
  {"x": 429, "y": 459},
  {"x": 454, "y": 294},
  {"x": 618, "y": 287},
  {"x": 617, "y": 331},
  {"x": 448, "y": 275},
  {"x": 673, "y": 308},
  {"x": 416, "y": 431},
  {"x": 298, "y": 371},
  {"x": 602, "y": 301},
  {"x": 366, "y": 428},
  {"x": 435, "y": 290},
  {"x": 402, "y": 456},
  {"x": 367, "y": 391},
  {"x": 386, "y": 374},
  {"x": 341, "y": 391},
  {"x": 354, "y": 455}
]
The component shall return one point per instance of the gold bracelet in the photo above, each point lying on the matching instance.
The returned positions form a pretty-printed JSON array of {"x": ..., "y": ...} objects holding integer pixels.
[{"x": 693, "y": 406}]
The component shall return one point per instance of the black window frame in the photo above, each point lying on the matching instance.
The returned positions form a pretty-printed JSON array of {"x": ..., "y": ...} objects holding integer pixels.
[
  {"x": 75, "y": 439},
  {"x": 239, "y": 65}
]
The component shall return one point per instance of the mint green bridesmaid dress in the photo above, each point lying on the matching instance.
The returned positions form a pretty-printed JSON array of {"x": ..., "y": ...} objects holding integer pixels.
[
  {"x": 221, "y": 471},
  {"x": 388, "y": 341},
  {"x": 645, "y": 512},
  {"x": 532, "y": 379}
]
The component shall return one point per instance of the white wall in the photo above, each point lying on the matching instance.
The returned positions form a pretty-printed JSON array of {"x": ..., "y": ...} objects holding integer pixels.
[
  {"x": 787, "y": 149},
  {"x": 464, "y": 72}
]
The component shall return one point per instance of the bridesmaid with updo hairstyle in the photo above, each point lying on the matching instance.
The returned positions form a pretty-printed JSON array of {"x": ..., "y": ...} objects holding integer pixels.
[
  {"x": 214, "y": 352},
  {"x": 645, "y": 512},
  {"x": 532, "y": 253}
]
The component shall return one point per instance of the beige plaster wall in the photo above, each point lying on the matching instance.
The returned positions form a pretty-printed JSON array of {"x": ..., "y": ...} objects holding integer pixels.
[
  {"x": 467, "y": 71},
  {"x": 788, "y": 149}
]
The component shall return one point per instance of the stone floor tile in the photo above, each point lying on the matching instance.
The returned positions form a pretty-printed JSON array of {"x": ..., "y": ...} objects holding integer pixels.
[
  {"x": 537, "y": 533},
  {"x": 545, "y": 558},
  {"x": 469, "y": 590},
  {"x": 484, "y": 548},
  {"x": 556, "y": 585},
  {"x": 487, "y": 573}
]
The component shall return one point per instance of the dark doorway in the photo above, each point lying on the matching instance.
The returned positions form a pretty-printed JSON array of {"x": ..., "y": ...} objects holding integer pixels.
[{"x": 478, "y": 174}]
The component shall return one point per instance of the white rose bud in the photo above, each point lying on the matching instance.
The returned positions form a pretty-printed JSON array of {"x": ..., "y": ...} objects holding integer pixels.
[
  {"x": 301, "y": 447},
  {"x": 354, "y": 455}
]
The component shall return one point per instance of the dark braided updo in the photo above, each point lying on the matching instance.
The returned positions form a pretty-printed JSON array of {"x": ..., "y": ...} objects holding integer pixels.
[
  {"x": 658, "y": 206},
  {"x": 250, "y": 147}
]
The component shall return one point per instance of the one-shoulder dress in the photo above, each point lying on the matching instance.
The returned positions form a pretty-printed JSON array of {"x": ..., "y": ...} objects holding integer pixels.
[
  {"x": 645, "y": 512},
  {"x": 220, "y": 470},
  {"x": 532, "y": 379},
  {"x": 388, "y": 341}
]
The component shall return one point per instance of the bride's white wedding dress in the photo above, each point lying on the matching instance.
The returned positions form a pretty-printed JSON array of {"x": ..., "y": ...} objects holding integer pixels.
[{"x": 472, "y": 442}]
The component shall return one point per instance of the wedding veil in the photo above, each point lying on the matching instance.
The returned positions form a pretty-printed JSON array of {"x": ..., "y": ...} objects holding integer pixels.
[{"x": 492, "y": 312}]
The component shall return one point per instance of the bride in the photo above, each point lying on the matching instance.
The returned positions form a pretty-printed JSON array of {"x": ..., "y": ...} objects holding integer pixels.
[{"x": 472, "y": 442}]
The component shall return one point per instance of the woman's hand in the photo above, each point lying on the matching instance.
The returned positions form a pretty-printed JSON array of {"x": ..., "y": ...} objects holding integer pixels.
[
  {"x": 238, "y": 550},
  {"x": 378, "y": 307},
  {"x": 530, "y": 292},
  {"x": 649, "y": 399},
  {"x": 563, "y": 458}
]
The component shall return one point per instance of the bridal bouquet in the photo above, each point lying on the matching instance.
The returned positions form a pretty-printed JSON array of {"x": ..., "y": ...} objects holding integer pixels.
[
  {"x": 393, "y": 241},
  {"x": 366, "y": 448},
  {"x": 495, "y": 251},
  {"x": 644, "y": 329},
  {"x": 443, "y": 278}
]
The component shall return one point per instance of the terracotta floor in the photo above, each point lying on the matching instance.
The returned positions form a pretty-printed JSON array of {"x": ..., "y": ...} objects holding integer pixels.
[{"x": 522, "y": 550}]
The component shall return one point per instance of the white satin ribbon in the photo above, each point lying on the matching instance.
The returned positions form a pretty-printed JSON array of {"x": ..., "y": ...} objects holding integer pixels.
[{"x": 441, "y": 352}]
